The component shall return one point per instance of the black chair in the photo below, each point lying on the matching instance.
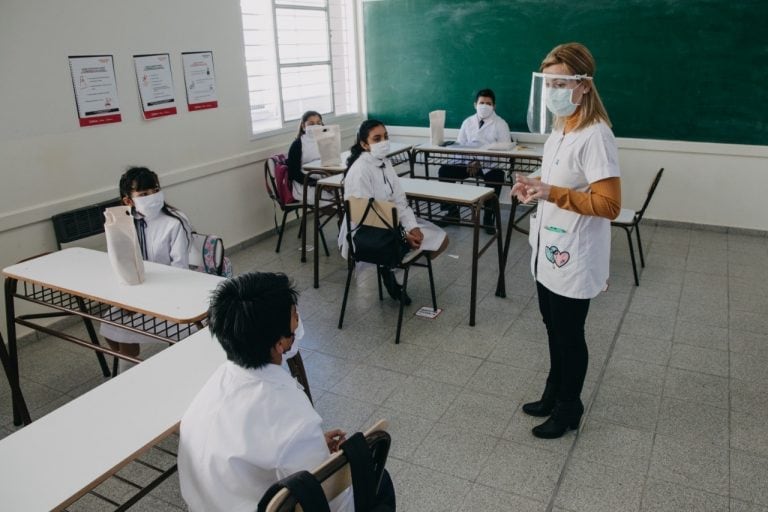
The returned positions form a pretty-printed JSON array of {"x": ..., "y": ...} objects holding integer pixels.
[
  {"x": 294, "y": 206},
  {"x": 629, "y": 220},
  {"x": 335, "y": 474},
  {"x": 385, "y": 217}
]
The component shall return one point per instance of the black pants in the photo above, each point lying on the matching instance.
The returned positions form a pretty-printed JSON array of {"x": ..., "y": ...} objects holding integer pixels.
[
  {"x": 494, "y": 178},
  {"x": 568, "y": 356}
]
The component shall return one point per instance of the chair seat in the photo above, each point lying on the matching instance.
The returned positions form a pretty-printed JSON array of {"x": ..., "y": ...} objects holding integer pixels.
[
  {"x": 626, "y": 216},
  {"x": 411, "y": 255}
]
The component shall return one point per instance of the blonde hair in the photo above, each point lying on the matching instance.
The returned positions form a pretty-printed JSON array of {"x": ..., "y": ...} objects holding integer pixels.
[{"x": 579, "y": 61}]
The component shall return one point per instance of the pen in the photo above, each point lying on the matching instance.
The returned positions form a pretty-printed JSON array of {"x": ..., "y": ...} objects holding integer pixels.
[{"x": 555, "y": 229}]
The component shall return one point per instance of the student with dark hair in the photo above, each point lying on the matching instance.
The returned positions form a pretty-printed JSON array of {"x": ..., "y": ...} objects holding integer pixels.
[
  {"x": 480, "y": 129},
  {"x": 164, "y": 237},
  {"x": 252, "y": 424},
  {"x": 370, "y": 174},
  {"x": 303, "y": 150}
]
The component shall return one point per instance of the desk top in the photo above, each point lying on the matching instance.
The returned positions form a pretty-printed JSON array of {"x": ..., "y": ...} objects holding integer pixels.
[
  {"x": 416, "y": 188},
  {"x": 174, "y": 294},
  {"x": 394, "y": 149},
  {"x": 520, "y": 150},
  {"x": 52, "y": 459}
]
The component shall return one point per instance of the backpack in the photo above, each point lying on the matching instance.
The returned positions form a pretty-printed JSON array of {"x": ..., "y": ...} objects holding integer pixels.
[
  {"x": 206, "y": 254},
  {"x": 283, "y": 180}
]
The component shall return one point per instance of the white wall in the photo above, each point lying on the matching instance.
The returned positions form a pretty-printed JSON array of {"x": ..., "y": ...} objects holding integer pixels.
[
  {"x": 703, "y": 183},
  {"x": 207, "y": 162}
]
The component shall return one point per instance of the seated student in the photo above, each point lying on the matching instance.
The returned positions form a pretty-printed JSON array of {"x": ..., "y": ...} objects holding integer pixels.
[
  {"x": 252, "y": 424},
  {"x": 164, "y": 237},
  {"x": 304, "y": 150},
  {"x": 483, "y": 128},
  {"x": 370, "y": 174}
]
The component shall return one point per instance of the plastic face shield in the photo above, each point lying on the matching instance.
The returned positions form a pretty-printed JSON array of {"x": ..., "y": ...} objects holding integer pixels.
[{"x": 540, "y": 119}]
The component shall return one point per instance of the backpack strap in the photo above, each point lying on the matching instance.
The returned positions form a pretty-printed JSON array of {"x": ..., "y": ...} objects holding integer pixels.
[
  {"x": 304, "y": 487},
  {"x": 361, "y": 465}
]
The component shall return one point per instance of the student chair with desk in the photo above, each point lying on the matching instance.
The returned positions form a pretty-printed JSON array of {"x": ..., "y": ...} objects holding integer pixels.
[
  {"x": 381, "y": 215},
  {"x": 629, "y": 220},
  {"x": 283, "y": 198},
  {"x": 360, "y": 468}
]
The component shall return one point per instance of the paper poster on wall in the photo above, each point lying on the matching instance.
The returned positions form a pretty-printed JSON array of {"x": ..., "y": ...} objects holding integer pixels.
[
  {"x": 93, "y": 78},
  {"x": 200, "y": 80},
  {"x": 153, "y": 74}
]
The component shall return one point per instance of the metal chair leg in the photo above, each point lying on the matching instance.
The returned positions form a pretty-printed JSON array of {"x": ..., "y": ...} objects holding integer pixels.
[
  {"x": 350, "y": 268},
  {"x": 280, "y": 233},
  {"x": 639, "y": 245},
  {"x": 378, "y": 279},
  {"x": 632, "y": 255},
  {"x": 431, "y": 283},
  {"x": 402, "y": 304}
]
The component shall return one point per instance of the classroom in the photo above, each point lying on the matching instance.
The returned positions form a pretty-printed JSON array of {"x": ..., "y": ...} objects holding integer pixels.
[{"x": 675, "y": 414}]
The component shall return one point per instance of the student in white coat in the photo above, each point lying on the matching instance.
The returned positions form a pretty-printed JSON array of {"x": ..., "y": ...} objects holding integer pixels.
[
  {"x": 164, "y": 237},
  {"x": 578, "y": 194},
  {"x": 370, "y": 174},
  {"x": 252, "y": 424},
  {"x": 304, "y": 150},
  {"x": 483, "y": 128}
]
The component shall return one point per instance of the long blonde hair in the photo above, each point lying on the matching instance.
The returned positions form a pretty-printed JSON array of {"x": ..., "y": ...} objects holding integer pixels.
[{"x": 579, "y": 61}]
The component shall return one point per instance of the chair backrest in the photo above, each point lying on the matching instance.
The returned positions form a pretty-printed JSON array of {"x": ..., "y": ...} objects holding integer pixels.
[
  {"x": 386, "y": 210},
  {"x": 81, "y": 223},
  {"x": 651, "y": 190},
  {"x": 334, "y": 474},
  {"x": 277, "y": 181}
]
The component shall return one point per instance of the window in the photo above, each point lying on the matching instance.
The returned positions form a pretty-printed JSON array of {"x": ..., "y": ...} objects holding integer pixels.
[{"x": 300, "y": 55}]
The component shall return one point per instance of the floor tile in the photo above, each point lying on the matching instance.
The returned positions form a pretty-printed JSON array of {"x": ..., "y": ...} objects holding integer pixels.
[
  {"x": 523, "y": 470},
  {"x": 481, "y": 497},
  {"x": 640, "y": 348},
  {"x": 749, "y": 432},
  {"x": 447, "y": 367},
  {"x": 693, "y": 421},
  {"x": 422, "y": 489},
  {"x": 369, "y": 384},
  {"x": 480, "y": 413},
  {"x": 628, "y": 408},
  {"x": 592, "y": 487},
  {"x": 668, "y": 497},
  {"x": 698, "y": 387},
  {"x": 697, "y": 465},
  {"x": 635, "y": 375},
  {"x": 749, "y": 473},
  {"x": 422, "y": 397},
  {"x": 460, "y": 452},
  {"x": 614, "y": 445}
]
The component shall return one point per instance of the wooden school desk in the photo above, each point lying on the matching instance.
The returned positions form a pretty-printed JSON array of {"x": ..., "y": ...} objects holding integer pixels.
[
  {"x": 169, "y": 305},
  {"x": 452, "y": 193},
  {"x": 522, "y": 158},
  {"x": 53, "y": 462},
  {"x": 398, "y": 155}
]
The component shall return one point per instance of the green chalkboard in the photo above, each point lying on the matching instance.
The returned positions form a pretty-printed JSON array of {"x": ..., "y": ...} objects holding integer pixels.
[{"x": 694, "y": 70}]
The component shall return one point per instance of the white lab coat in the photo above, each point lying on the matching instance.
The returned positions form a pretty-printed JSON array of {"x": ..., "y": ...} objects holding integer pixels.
[
  {"x": 245, "y": 430},
  {"x": 371, "y": 177},
  {"x": 494, "y": 130},
  {"x": 167, "y": 243},
  {"x": 309, "y": 153},
  {"x": 571, "y": 252}
]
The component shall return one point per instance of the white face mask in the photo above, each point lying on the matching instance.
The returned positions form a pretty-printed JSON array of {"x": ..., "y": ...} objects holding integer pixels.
[
  {"x": 380, "y": 150},
  {"x": 296, "y": 337},
  {"x": 559, "y": 101},
  {"x": 150, "y": 206},
  {"x": 484, "y": 111}
]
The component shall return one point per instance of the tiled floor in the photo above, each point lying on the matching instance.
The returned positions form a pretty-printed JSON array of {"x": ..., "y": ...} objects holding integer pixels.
[{"x": 676, "y": 393}]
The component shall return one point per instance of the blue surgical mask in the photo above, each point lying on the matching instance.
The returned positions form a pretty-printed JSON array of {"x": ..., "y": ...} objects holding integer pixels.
[{"x": 560, "y": 101}]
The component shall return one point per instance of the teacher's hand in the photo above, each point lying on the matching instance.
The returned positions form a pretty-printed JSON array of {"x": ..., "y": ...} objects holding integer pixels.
[{"x": 528, "y": 189}]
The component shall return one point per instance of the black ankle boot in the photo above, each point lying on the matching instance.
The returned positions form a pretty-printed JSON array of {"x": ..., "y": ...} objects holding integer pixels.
[
  {"x": 565, "y": 416},
  {"x": 393, "y": 288},
  {"x": 544, "y": 406}
]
